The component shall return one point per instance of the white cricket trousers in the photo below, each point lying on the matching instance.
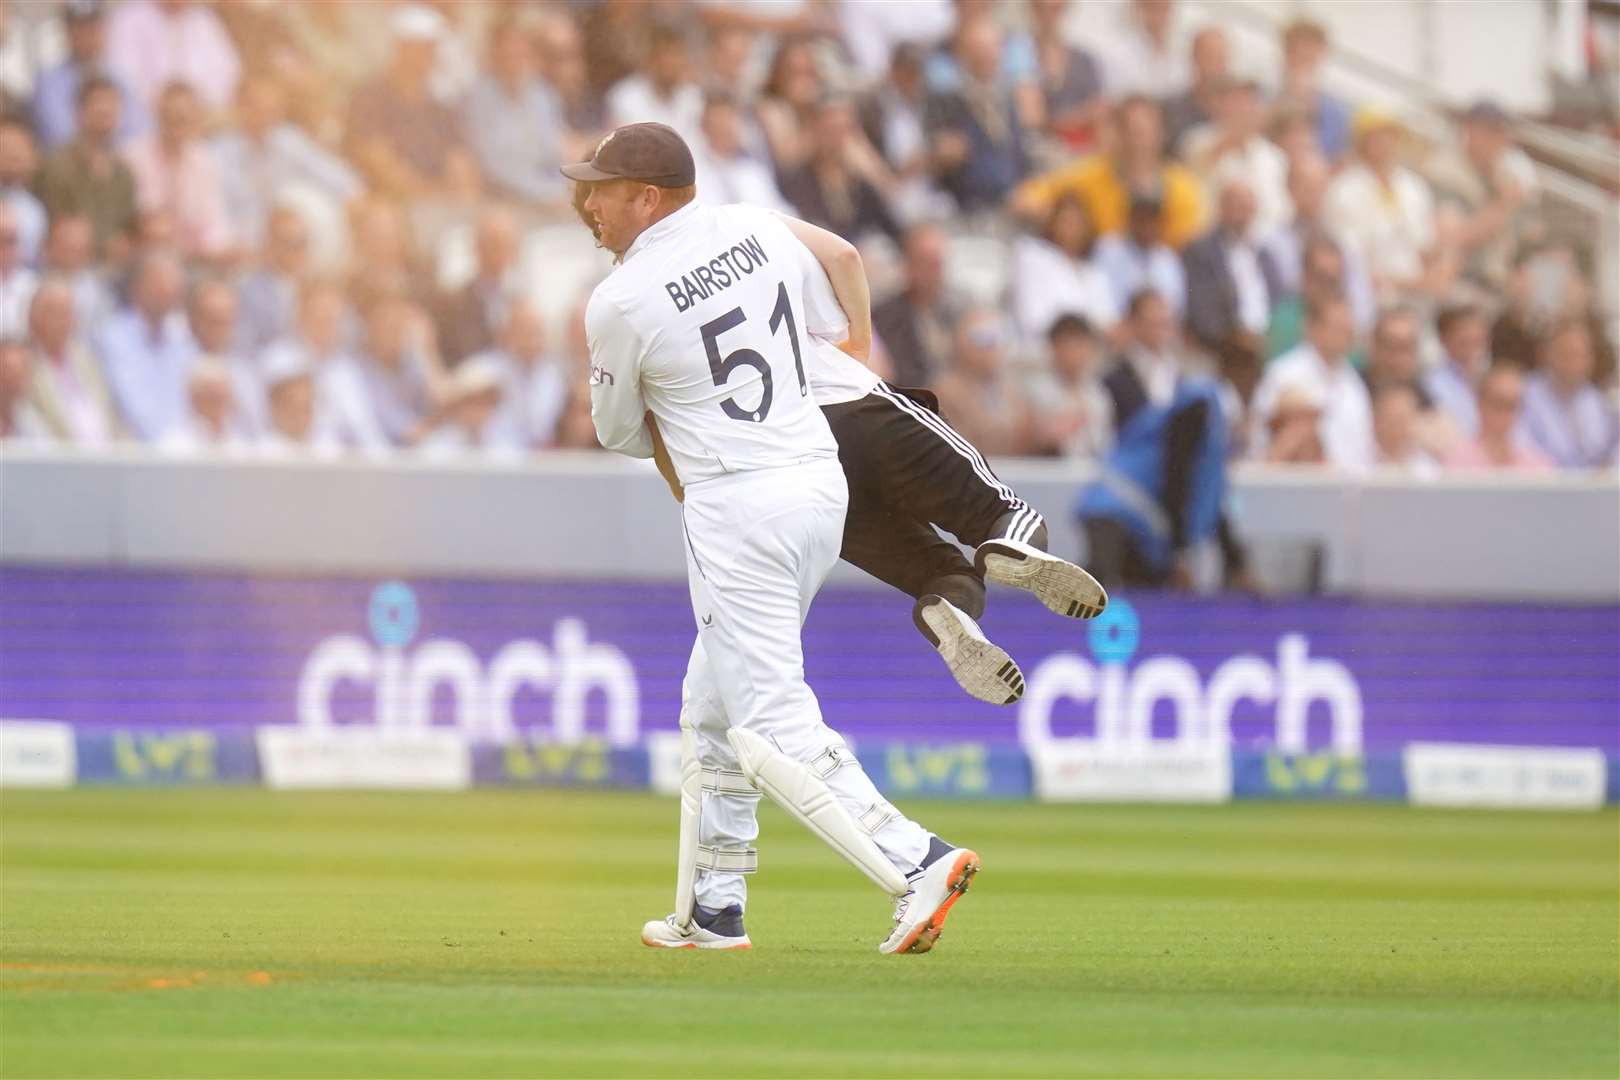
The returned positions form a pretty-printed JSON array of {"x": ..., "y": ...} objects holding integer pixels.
[{"x": 759, "y": 545}]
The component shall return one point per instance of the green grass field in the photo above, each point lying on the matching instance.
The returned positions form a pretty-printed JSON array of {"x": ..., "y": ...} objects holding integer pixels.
[{"x": 244, "y": 932}]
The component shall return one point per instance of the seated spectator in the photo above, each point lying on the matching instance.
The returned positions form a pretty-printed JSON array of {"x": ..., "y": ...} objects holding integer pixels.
[
  {"x": 787, "y": 103},
  {"x": 900, "y": 104},
  {"x": 1453, "y": 383},
  {"x": 1308, "y": 180},
  {"x": 264, "y": 158},
  {"x": 399, "y": 379},
  {"x": 726, "y": 171},
  {"x": 1394, "y": 356},
  {"x": 1145, "y": 57},
  {"x": 1305, "y": 45},
  {"x": 1231, "y": 280},
  {"x": 1211, "y": 66},
  {"x": 1071, "y": 78},
  {"x": 342, "y": 412},
  {"x": 1073, "y": 410},
  {"x": 88, "y": 177},
  {"x": 661, "y": 90},
  {"x": 1501, "y": 442},
  {"x": 468, "y": 318},
  {"x": 562, "y": 64},
  {"x": 147, "y": 350},
  {"x": 727, "y": 65},
  {"x": 1108, "y": 182},
  {"x": 915, "y": 325},
  {"x": 1054, "y": 274},
  {"x": 1321, "y": 367},
  {"x": 381, "y": 256},
  {"x": 406, "y": 143},
  {"x": 1383, "y": 210},
  {"x": 56, "y": 93},
  {"x": 152, "y": 43},
  {"x": 1396, "y": 431},
  {"x": 1294, "y": 428},
  {"x": 873, "y": 33},
  {"x": 514, "y": 122},
  {"x": 1565, "y": 416},
  {"x": 576, "y": 431},
  {"x": 471, "y": 424},
  {"x": 70, "y": 252},
  {"x": 19, "y": 419},
  {"x": 534, "y": 384},
  {"x": 1324, "y": 279},
  {"x": 175, "y": 172},
  {"x": 1138, "y": 259},
  {"x": 66, "y": 389},
  {"x": 268, "y": 295},
  {"x": 974, "y": 129},
  {"x": 978, "y": 395},
  {"x": 213, "y": 317},
  {"x": 1294, "y": 135},
  {"x": 1491, "y": 184},
  {"x": 1234, "y": 147},
  {"x": 18, "y": 163},
  {"x": 1151, "y": 365},
  {"x": 210, "y": 423},
  {"x": 17, "y": 281},
  {"x": 292, "y": 424},
  {"x": 826, "y": 190}
]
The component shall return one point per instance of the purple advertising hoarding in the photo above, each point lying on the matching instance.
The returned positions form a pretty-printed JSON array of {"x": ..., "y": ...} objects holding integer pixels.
[{"x": 108, "y": 649}]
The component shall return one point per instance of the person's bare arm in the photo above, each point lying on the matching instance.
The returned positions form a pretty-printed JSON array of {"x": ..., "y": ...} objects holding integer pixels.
[{"x": 847, "y": 273}]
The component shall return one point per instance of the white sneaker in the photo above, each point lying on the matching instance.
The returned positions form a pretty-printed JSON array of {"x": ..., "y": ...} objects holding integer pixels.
[
  {"x": 666, "y": 934},
  {"x": 980, "y": 666},
  {"x": 1062, "y": 586},
  {"x": 919, "y": 915}
]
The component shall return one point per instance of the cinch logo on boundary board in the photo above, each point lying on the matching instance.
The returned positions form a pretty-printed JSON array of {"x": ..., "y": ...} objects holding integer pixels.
[
  {"x": 1125, "y": 695},
  {"x": 405, "y": 681}
]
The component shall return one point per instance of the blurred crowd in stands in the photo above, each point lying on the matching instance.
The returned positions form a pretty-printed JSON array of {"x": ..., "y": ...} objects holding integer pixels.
[{"x": 223, "y": 225}]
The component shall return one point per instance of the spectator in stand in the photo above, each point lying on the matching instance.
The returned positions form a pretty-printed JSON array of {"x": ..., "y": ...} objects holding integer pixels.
[
  {"x": 915, "y": 325},
  {"x": 146, "y": 350},
  {"x": 88, "y": 177},
  {"x": 1501, "y": 443},
  {"x": 614, "y": 33},
  {"x": 788, "y": 101},
  {"x": 18, "y": 163},
  {"x": 1383, "y": 210},
  {"x": 898, "y": 106},
  {"x": 1320, "y": 367},
  {"x": 827, "y": 191},
  {"x": 1565, "y": 416},
  {"x": 56, "y": 94},
  {"x": 1138, "y": 258},
  {"x": 1394, "y": 357},
  {"x": 342, "y": 412},
  {"x": 1305, "y": 45},
  {"x": 19, "y": 419},
  {"x": 1397, "y": 419},
  {"x": 67, "y": 389},
  {"x": 406, "y": 143},
  {"x": 873, "y": 32},
  {"x": 468, "y": 318},
  {"x": 265, "y": 159},
  {"x": 1055, "y": 274},
  {"x": 293, "y": 422},
  {"x": 1146, "y": 372},
  {"x": 1324, "y": 279},
  {"x": 175, "y": 172},
  {"x": 562, "y": 63},
  {"x": 514, "y": 122},
  {"x": 1071, "y": 78},
  {"x": 978, "y": 395},
  {"x": 209, "y": 424},
  {"x": 152, "y": 43},
  {"x": 534, "y": 383},
  {"x": 1294, "y": 428},
  {"x": 662, "y": 90},
  {"x": 1234, "y": 147},
  {"x": 471, "y": 423},
  {"x": 576, "y": 431},
  {"x": 975, "y": 129},
  {"x": 213, "y": 316},
  {"x": 70, "y": 251},
  {"x": 400, "y": 381},
  {"x": 1109, "y": 181},
  {"x": 1294, "y": 135},
  {"x": 1146, "y": 58},
  {"x": 726, "y": 171},
  {"x": 1308, "y": 180},
  {"x": 1074, "y": 412},
  {"x": 1453, "y": 383},
  {"x": 1231, "y": 280},
  {"x": 1491, "y": 185},
  {"x": 1198, "y": 104},
  {"x": 269, "y": 294},
  {"x": 382, "y": 258},
  {"x": 17, "y": 281},
  {"x": 727, "y": 63}
]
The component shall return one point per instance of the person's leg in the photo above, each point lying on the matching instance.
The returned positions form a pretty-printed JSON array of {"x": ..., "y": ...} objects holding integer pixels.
[{"x": 728, "y": 819}]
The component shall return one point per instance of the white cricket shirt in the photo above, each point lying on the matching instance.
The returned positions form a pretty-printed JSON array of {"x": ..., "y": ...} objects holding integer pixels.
[{"x": 709, "y": 324}]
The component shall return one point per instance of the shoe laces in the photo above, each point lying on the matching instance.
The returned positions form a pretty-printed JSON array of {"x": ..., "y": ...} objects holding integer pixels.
[{"x": 903, "y": 904}]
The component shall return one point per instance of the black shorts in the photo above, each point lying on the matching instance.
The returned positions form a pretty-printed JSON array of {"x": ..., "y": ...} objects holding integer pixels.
[{"x": 909, "y": 470}]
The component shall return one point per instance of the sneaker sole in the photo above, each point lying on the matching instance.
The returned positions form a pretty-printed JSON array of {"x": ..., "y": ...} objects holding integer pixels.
[
  {"x": 962, "y": 874},
  {"x": 716, "y": 947},
  {"x": 1062, "y": 586},
  {"x": 980, "y": 667}
]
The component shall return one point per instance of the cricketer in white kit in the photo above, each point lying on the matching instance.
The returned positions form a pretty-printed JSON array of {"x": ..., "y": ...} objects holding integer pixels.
[{"x": 703, "y": 325}]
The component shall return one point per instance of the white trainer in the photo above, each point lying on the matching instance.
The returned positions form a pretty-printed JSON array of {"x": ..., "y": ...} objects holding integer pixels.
[
  {"x": 665, "y": 933},
  {"x": 919, "y": 915},
  {"x": 1059, "y": 584},
  {"x": 980, "y": 666}
]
